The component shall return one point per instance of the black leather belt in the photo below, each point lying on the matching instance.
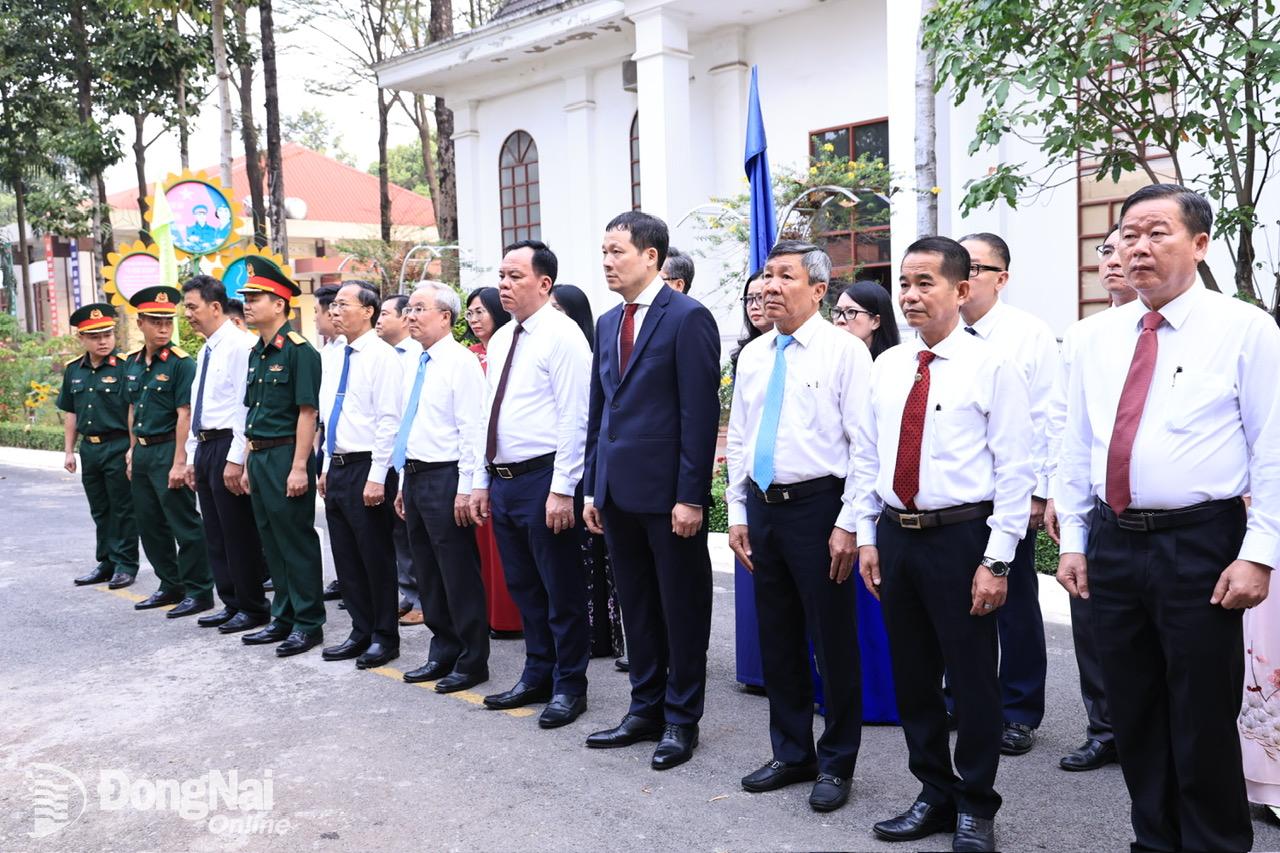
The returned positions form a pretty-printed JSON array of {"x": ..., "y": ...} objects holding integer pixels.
[
  {"x": 110, "y": 435},
  {"x": 161, "y": 438},
  {"x": 213, "y": 434},
  {"x": 1147, "y": 521},
  {"x": 796, "y": 491},
  {"x": 939, "y": 517},
  {"x": 515, "y": 469},
  {"x": 256, "y": 444},
  {"x": 341, "y": 459},
  {"x": 413, "y": 466}
]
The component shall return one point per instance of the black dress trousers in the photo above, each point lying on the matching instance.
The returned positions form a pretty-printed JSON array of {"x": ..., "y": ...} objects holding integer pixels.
[
  {"x": 363, "y": 554},
  {"x": 230, "y": 533}
]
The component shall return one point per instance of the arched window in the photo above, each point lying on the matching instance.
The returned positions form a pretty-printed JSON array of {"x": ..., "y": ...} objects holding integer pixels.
[
  {"x": 518, "y": 180},
  {"x": 635, "y": 162}
]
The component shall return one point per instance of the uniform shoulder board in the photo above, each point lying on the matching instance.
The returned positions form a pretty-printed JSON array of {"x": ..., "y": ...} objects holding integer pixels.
[
  {"x": 74, "y": 360},
  {"x": 297, "y": 338},
  {"x": 138, "y": 351},
  {"x": 180, "y": 352}
]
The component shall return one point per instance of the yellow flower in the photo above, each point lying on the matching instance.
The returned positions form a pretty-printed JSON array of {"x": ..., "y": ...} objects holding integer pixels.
[
  {"x": 813, "y": 170},
  {"x": 828, "y": 147},
  {"x": 34, "y": 385},
  {"x": 936, "y": 190},
  {"x": 726, "y": 380}
]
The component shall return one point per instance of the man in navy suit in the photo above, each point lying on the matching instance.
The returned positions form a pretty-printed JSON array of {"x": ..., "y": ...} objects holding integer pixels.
[{"x": 651, "y": 439}]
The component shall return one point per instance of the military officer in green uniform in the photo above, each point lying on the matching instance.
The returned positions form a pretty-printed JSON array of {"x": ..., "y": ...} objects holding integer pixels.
[
  {"x": 158, "y": 381},
  {"x": 283, "y": 393},
  {"x": 92, "y": 395}
]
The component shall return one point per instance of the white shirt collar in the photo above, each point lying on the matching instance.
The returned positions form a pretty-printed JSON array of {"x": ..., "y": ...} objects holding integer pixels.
[
  {"x": 221, "y": 333},
  {"x": 363, "y": 341},
  {"x": 650, "y": 293}
]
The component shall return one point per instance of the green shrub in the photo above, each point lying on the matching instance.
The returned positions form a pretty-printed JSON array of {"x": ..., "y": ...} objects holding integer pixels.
[
  {"x": 1046, "y": 554},
  {"x": 34, "y": 437},
  {"x": 718, "y": 512},
  {"x": 26, "y": 358}
]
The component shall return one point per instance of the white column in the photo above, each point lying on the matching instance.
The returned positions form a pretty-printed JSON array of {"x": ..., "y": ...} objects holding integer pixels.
[
  {"x": 578, "y": 249},
  {"x": 477, "y": 251},
  {"x": 662, "y": 75},
  {"x": 730, "y": 77}
]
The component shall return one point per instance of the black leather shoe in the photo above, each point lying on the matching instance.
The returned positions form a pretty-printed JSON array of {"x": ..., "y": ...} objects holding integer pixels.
[
  {"x": 429, "y": 671},
  {"x": 1091, "y": 755},
  {"x": 188, "y": 606},
  {"x": 273, "y": 633},
  {"x": 974, "y": 833},
  {"x": 333, "y": 591},
  {"x": 102, "y": 574},
  {"x": 377, "y": 655},
  {"x": 455, "y": 681},
  {"x": 1017, "y": 739},
  {"x": 241, "y": 622},
  {"x": 158, "y": 599},
  {"x": 120, "y": 580},
  {"x": 517, "y": 697},
  {"x": 829, "y": 793},
  {"x": 676, "y": 747},
  {"x": 346, "y": 650},
  {"x": 298, "y": 642},
  {"x": 919, "y": 821},
  {"x": 213, "y": 620},
  {"x": 562, "y": 710},
  {"x": 777, "y": 774},
  {"x": 622, "y": 664},
  {"x": 631, "y": 730}
]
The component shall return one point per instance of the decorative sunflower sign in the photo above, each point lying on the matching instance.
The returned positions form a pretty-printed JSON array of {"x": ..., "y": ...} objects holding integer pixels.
[{"x": 205, "y": 213}]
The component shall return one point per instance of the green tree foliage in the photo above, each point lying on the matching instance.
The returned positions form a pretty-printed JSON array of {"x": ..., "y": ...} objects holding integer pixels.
[
  {"x": 311, "y": 128},
  {"x": 405, "y": 168},
  {"x": 1113, "y": 81}
]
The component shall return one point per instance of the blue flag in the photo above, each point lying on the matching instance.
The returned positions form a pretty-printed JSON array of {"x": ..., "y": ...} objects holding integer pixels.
[{"x": 763, "y": 219}]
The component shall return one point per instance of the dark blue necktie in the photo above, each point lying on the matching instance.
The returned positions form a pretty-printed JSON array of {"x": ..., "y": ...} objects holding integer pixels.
[
  {"x": 205, "y": 357},
  {"x": 331, "y": 429}
]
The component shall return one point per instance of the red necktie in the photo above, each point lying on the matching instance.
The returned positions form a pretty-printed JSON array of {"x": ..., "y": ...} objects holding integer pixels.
[
  {"x": 627, "y": 339},
  {"x": 1129, "y": 412},
  {"x": 491, "y": 445},
  {"x": 906, "y": 472}
]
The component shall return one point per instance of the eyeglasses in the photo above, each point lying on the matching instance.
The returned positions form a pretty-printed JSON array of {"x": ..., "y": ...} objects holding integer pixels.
[
  {"x": 476, "y": 314},
  {"x": 848, "y": 315},
  {"x": 753, "y": 299},
  {"x": 342, "y": 305},
  {"x": 1105, "y": 251},
  {"x": 975, "y": 269},
  {"x": 410, "y": 310}
]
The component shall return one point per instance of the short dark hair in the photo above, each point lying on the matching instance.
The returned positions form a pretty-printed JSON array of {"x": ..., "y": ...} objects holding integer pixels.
[
  {"x": 679, "y": 265},
  {"x": 398, "y": 301},
  {"x": 955, "y": 258},
  {"x": 210, "y": 289},
  {"x": 544, "y": 260},
  {"x": 995, "y": 241},
  {"x": 577, "y": 307},
  {"x": 647, "y": 231},
  {"x": 1197, "y": 215},
  {"x": 235, "y": 308},
  {"x": 369, "y": 295},
  {"x": 326, "y": 294}
]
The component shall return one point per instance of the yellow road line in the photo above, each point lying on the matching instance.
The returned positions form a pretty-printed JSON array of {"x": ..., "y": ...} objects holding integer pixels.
[
  {"x": 130, "y": 596},
  {"x": 465, "y": 695}
]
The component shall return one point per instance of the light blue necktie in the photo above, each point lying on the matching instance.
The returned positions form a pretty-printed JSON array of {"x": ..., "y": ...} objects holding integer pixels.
[
  {"x": 767, "y": 437},
  {"x": 398, "y": 455},
  {"x": 331, "y": 428}
]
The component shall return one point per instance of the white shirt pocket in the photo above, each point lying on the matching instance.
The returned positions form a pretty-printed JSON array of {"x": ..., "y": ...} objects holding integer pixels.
[
  {"x": 1194, "y": 395},
  {"x": 952, "y": 428}
]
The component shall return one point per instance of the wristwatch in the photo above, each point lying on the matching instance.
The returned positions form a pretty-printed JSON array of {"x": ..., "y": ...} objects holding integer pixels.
[{"x": 998, "y": 568}]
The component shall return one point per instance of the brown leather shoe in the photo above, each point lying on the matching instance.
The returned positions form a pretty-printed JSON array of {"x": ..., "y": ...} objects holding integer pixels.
[{"x": 413, "y": 617}]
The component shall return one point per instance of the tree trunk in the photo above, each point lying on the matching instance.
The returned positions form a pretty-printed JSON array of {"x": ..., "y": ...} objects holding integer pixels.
[
  {"x": 224, "y": 89},
  {"x": 275, "y": 164},
  {"x": 926, "y": 135},
  {"x": 102, "y": 242},
  {"x": 422, "y": 120},
  {"x": 249, "y": 131},
  {"x": 445, "y": 203},
  {"x": 384, "y": 184},
  {"x": 105, "y": 233},
  {"x": 1245, "y": 260},
  {"x": 140, "y": 165},
  {"x": 184, "y": 124},
  {"x": 28, "y": 295}
]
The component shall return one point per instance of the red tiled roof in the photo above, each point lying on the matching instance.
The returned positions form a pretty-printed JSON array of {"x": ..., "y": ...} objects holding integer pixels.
[{"x": 333, "y": 191}]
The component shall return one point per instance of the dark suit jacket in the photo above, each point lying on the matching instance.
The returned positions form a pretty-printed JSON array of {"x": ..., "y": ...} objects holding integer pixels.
[{"x": 651, "y": 435}]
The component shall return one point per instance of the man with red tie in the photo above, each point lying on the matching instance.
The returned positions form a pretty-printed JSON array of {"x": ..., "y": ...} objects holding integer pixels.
[
  {"x": 944, "y": 480},
  {"x": 1155, "y": 461}
]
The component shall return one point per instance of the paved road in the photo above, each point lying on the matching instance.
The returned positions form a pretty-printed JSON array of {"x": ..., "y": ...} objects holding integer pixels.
[{"x": 361, "y": 761}]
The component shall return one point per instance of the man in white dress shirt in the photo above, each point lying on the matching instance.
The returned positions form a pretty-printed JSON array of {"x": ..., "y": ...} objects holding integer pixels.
[
  {"x": 1099, "y": 748},
  {"x": 360, "y": 405},
  {"x": 436, "y": 448},
  {"x": 791, "y": 432},
  {"x": 393, "y": 327},
  {"x": 530, "y": 477},
  {"x": 1033, "y": 349},
  {"x": 216, "y": 444},
  {"x": 1155, "y": 462},
  {"x": 944, "y": 482}
]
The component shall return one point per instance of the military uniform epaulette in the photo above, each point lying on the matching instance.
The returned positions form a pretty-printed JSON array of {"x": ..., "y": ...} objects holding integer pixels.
[
  {"x": 74, "y": 360},
  {"x": 179, "y": 352},
  {"x": 297, "y": 338},
  {"x": 138, "y": 351}
]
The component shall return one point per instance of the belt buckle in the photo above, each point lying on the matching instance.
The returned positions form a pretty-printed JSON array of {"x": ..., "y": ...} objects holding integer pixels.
[
  {"x": 142, "y": 440},
  {"x": 94, "y": 439},
  {"x": 1141, "y": 522},
  {"x": 910, "y": 520},
  {"x": 339, "y": 459},
  {"x": 504, "y": 472},
  {"x": 777, "y": 495}
]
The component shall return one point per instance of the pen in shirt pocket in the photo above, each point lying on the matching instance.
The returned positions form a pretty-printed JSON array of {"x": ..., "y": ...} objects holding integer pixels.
[{"x": 1176, "y": 371}]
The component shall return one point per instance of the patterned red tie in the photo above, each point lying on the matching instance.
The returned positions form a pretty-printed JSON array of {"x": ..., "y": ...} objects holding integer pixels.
[
  {"x": 906, "y": 472},
  {"x": 1129, "y": 412},
  {"x": 627, "y": 340}
]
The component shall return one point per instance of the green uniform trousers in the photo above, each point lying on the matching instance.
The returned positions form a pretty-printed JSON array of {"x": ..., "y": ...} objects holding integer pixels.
[
  {"x": 110, "y": 503},
  {"x": 287, "y": 527},
  {"x": 167, "y": 516}
]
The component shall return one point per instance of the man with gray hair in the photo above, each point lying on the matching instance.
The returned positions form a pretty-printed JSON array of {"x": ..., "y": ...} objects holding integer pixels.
[
  {"x": 792, "y": 432},
  {"x": 435, "y": 448},
  {"x": 677, "y": 272}
]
